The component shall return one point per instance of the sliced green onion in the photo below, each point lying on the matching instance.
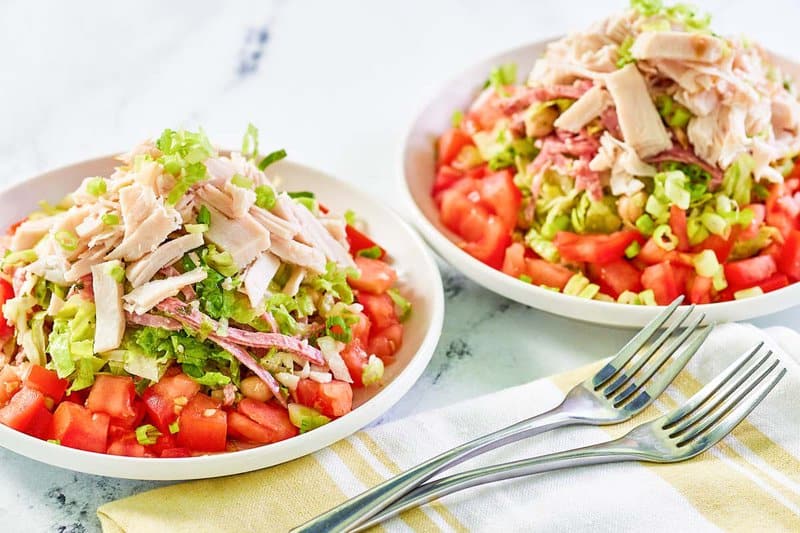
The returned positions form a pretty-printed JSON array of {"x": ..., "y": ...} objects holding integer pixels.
[
  {"x": 624, "y": 55},
  {"x": 54, "y": 441},
  {"x": 308, "y": 203},
  {"x": 664, "y": 238},
  {"x": 301, "y": 194},
  {"x": 714, "y": 223},
  {"x": 20, "y": 257},
  {"x": 629, "y": 298},
  {"x": 110, "y": 219},
  {"x": 96, "y": 187},
  {"x": 403, "y": 306},
  {"x": 525, "y": 278},
  {"x": 645, "y": 225},
  {"x": 656, "y": 208},
  {"x": 373, "y": 252},
  {"x": 718, "y": 280},
  {"x": 116, "y": 271},
  {"x": 648, "y": 297},
  {"x": 265, "y": 197},
  {"x": 174, "y": 427},
  {"x": 589, "y": 292},
  {"x": 196, "y": 228},
  {"x": 576, "y": 284},
  {"x": 603, "y": 297},
  {"x": 337, "y": 328},
  {"x": 350, "y": 217},
  {"x": 706, "y": 264},
  {"x": 147, "y": 434},
  {"x": 274, "y": 157},
  {"x": 675, "y": 189},
  {"x": 242, "y": 181},
  {"x": 457, "y": 118},
  {"x": 204, "y": 215},
  {"x": 748, "y": 293},
  {"x": 696, "y": 231},
  {"x": 250, "y": 142},
  {"x": 67, "y": 240},
  {"x": 632, "y": 250},
  {"x": 306, "y": 418}
]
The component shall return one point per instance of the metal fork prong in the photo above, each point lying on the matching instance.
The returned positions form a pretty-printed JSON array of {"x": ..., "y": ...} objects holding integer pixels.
[
  {"x": 634, "y": 345},
  {"x": 711, "y": 387},
  {"x": 735, "y": 415},
  {"x": 725, "y": 391},
  {"x": 724, "y": 408},
  {"x": 654, "y": 387},
  {"x": 632, "y": 367}
]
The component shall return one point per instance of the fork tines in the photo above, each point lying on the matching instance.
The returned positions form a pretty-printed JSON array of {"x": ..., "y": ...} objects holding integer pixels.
[
  {"x": 645, "y": 366},
  {"x": 725, "y": 401}
]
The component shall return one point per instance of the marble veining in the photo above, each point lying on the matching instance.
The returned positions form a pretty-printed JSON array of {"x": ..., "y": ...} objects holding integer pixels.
[{"x": 336, "y": 84}]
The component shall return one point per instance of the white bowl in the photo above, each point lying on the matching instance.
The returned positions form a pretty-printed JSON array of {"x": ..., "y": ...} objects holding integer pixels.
[
  {"x": 417, "y": 172},
  {"x": 419, "y": 280}
]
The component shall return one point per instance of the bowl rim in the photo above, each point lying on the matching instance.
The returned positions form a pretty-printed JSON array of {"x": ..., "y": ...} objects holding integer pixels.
[
  {"x": 375, "y": 406},
  {"x": 497, "y": 281}
]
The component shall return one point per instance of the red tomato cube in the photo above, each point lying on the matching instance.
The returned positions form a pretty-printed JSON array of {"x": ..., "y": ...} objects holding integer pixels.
[
  {"x": 332, "y": 399},
  {"x": 77, "y": 427},
  {"x": 376, "y": 276},
  {"x": 203, "y": 426},
  {"x": 47, "y": 382},
  {"x": 112, "y": 395}
]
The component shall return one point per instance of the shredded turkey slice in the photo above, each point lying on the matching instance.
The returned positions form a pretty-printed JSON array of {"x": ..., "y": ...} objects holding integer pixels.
[
  {"x": 143, "y": 235},
  {"x": 258, "y": 277},
  {"x": 313, "y": 233},
  {"x": 216, "y": 198},
  {"x": 584, "y": 110},
  {"x": 144, "y": 298},
  {"x": 639, "y": 120},
  {"x": 275, "y": 225},
  {"x": 298, "y": 254},
  {"x": 678, "y": 45},
  {"x": 144, "y": 269},
  {"x": 242, "y": 199},
  {"x": 294, "y": 281},
  {"x": 110, "y": 325},
  {"x": 30, "y": 232},
  {"x": 243, "y": 238}
]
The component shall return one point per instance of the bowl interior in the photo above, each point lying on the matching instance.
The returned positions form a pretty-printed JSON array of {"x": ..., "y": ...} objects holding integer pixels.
[
  {"x": 418, "y": 279},
  {"x": 418, "y": 172}
]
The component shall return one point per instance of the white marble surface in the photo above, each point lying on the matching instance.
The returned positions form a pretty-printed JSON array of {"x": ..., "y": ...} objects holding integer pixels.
[{"x": 335, "y": 83}]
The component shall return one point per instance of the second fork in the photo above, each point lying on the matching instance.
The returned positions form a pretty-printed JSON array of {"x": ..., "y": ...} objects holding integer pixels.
[{"x": 624, "y": 387}]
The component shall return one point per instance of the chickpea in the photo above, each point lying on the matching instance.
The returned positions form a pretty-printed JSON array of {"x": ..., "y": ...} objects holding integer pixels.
[
  {"x": 253, "y": 387},
  {"x": 631, "y": 207}
]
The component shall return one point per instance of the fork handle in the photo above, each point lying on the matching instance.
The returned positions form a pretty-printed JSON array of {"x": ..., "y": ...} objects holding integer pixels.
[
  {"x": 607, "y": 452},
  {"x": 360, "y": 508}
]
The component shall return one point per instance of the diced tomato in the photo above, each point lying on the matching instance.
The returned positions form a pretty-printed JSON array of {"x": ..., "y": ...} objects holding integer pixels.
[
  {"x": 721, "y": 247},
  {"x": 747, "y": 273},
  {"x": 660, "y": 279},
  {"x": 450, "y": 144},
  {"x": 6, "y": 293},
  {"x": 776, "y": 213},
  {"x": 358, "y": 241},
  {"x": 77, "y": 427},
  {"x": 356, "y": 359},
  {"x": 486, "y": 110},
  {"x": 22, "y": 408},
  {"x": 446, "y": 176},
  {"x": 473, "y": 222},
  {"x": 331, "y": 399},
  {"x": 651, "y": 253},
  {"x": 699, "y": 290},
  {"x": 594, "y": 248},
  {"x": 682, "y": 274},
  {"x": 112, "y": 395},
  {"x": 774, "y": 282},
  {"x": 10, "y": 382},
  {"x": 379, "y": 308},
  {"x": 499, "y": 191},
  {"x": 543, "y": 273},
  {"x": 47, "y": 382},
  {"x": 160, "y": 399},
  {"x": 385, "y": 342},
  {"x": 490, "y": 248},
  {"x": 165, "y": 441},
  {"x": 514, "y": 261},
  {"x": 616, "y": 277},
  {"x": 360, "y": 330},
  {"x": 172, "y": 453},
  {"x": 677, "y": 222},
  {"x": 457, "y": 201},
  {"x": 271, "y": 419},
  {"x": 77, "y": 396},
  {"x": 126, "y": 445},
  {"x": 376, "y": 276},
  {"x": 789, "y": 258},
  {"x": 41, "y": 424},
  {"x": 134, "y": 420},
  {"x": 203, "y": 425}
]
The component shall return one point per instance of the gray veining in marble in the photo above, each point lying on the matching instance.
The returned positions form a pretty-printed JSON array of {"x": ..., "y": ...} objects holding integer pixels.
[{"x": 335, "y": 83}]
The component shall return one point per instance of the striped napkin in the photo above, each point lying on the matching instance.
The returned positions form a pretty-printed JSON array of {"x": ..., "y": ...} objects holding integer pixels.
[{"x": 750, "y": 481}]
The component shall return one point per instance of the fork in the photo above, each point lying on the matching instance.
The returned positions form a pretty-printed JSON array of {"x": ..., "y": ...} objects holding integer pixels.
[
  {"x": 611, "y": 396},
  {"x": 681, "y": 434}
]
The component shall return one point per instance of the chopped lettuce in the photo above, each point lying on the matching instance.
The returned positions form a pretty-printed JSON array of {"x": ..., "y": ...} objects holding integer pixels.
[
  {"x": 402, "y": 305},
  {"x": 738, "y": 181},
  {"x": 373, "y": 371},
  {"x": 624, "y": 55},
  {"x": 183, "y": 153},
  {"x": 591, "y": 216},
  {"x": 501, "y": 76}
]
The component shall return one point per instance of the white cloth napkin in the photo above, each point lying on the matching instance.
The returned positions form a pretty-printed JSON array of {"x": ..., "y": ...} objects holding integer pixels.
[{"x": 750, "y": 481}]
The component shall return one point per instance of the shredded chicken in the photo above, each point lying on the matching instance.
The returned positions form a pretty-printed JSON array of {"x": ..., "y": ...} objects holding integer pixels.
[
  {"x": 110, "y": 325},
  {"x": 584, "y": 110},
  {"x": 144, "y": 298}
]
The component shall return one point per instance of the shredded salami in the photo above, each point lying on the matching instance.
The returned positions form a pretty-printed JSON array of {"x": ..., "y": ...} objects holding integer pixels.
[
  {"x": 523, "y": 99},
  {"x": 153, "y": 321}
]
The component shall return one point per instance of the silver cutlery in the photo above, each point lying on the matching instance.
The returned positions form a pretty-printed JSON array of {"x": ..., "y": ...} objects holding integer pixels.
[
  {"x": 685, "y": 432},
  {"x": 618, "y": 391}
]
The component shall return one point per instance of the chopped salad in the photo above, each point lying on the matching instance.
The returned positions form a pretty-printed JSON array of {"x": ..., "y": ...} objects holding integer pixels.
[
  {"x": 186, "y": 305},
  {"x": 643, "y": 158}
]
